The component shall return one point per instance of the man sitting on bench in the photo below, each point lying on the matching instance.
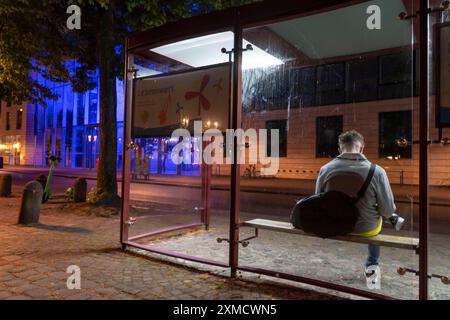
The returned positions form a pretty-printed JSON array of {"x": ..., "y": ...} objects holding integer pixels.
[{"x": 347, "y": 173}]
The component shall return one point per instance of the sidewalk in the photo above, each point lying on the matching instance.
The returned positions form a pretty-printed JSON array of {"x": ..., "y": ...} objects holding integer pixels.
[
  {"x": 437, "y": 195},
  {"x": 34, "y": 260}
]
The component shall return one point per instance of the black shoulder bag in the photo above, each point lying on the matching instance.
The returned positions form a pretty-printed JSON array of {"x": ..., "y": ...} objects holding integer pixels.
[{"x": 330, "y": 213}]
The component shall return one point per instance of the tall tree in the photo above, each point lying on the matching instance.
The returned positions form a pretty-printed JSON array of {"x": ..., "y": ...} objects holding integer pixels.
[
  {"x": 33, "y": 38},
  {"x": 35, "y": 47}
]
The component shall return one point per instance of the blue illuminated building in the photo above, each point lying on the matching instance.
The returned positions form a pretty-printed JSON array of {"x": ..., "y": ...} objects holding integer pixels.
[{"x": 68, "y": 128}]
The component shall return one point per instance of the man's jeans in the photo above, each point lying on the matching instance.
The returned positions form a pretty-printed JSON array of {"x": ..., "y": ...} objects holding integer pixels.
[{"x": 373, "y": 256}]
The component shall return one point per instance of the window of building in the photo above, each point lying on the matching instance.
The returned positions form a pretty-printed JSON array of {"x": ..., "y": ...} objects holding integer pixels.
[
  {"x": 395, "y": 130},
  {"x": 362, "y": 80},
  {"x": 19, "y": 119},
  {"x": 250, "y": 101},
  {"x": 278, "y": 89},
  {"x": 328, "y": 130},
  {"x": 396, "y": 76},
  {"x": 59, "y": 118},
  {"x": 8, "y": 121},
  {"x": 93, "y": 106},
  {"x": 49, "y": 110},
  {"x": 281, "y": 125},
  {"x": 267, "y": 89},
  {"x": 330, "y": 85},
  {"x": 390, "y": 76},
  {"x": 80, "y": 109},
  {"x": 79, "y": 160},
  {"x": 69, "y": 127},
  {"x": 39, "y": 118},
  {"x": 417, "y": 76},
  {"x": 304, "y": 93},
  {"x": 79, "y": 146},
  {"x": 79, "y": 139},
  {"x": 59, "y": 107}
]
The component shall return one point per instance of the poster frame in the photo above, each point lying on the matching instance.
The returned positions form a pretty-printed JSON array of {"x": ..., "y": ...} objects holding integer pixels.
[
  {"x": 437, "y": 30},
  {"x": 178, "y": 72}
]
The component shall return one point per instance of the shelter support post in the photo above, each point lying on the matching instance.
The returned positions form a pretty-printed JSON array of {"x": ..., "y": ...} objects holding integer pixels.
[
  {"x": 205, "y": 214},
  {"x": 235, "y": 167},
  {"x": 423, "y": 151},
  {"x": 128, "y": 80}
]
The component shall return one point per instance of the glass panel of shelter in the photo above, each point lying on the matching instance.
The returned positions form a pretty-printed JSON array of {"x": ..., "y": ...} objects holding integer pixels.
[
  {"x": 165, "y": 195},
  {"x": 439, "y": 153},
  {"x": 313, "y": 78}
]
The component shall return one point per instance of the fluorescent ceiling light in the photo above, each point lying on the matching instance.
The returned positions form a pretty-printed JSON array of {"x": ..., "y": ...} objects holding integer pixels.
[
  {"x": 206, "y": 50},
  {"x": 145, "y": 72}
]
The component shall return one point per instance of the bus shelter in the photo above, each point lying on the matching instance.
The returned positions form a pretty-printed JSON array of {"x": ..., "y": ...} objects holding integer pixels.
[{"x": 294, "y": 74}]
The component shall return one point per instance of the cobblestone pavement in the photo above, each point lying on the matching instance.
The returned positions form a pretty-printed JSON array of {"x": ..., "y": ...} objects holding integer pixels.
[
  {"x": 34, "y": 259},
  {"x": 334, "y": 261}
]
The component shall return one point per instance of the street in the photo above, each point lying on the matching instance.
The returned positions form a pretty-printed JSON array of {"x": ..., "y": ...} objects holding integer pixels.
[{"x": 258, "y": 196}]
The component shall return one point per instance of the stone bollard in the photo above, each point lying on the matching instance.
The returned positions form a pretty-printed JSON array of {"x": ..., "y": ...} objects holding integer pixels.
[
  {"x": 5, "y": 184},
  {"x": 31, "y": 203},
  {"x": 42, "y": 179},
  {"x": 79, "y": 190}
]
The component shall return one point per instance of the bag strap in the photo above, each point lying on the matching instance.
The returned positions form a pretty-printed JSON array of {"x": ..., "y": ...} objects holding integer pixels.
[{"x": 366, "y": 184}]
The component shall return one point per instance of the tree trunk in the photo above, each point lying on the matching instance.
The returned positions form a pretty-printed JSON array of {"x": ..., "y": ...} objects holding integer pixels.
[{"x": 107, "y": 171}]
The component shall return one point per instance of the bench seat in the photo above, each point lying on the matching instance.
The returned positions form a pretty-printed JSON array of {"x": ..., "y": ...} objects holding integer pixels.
[{"x": 381, "y": 239}]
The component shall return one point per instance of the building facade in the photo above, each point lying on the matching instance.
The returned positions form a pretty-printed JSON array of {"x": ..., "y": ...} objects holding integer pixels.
[
  {"x": 319, "y": 88},
  {"x": 16, "y": 144},
  {"x": 312, "y": 85},
  {"x": 67, "y": 128}
]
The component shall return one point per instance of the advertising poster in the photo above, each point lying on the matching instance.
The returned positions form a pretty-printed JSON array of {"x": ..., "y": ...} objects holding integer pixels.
[
  {"x": 162, "y": 104},
  {"x": 443, "y": 107}
]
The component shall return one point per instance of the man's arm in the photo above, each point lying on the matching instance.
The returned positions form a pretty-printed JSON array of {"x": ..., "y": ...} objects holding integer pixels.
[
  {"x": 320, "y": 180},
  {"x": 385, "y": 197}
]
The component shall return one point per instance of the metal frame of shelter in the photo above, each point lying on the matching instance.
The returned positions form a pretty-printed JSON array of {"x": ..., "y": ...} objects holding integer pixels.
[{"x": 235, "y": 20}]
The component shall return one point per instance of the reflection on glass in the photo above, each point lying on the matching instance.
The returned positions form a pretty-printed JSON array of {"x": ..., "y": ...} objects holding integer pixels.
[
  {"x": 334, "y": 77},
  {"x": 439, "y": 160},
  {"x": 207, "y": 50},
  {"x": 311, "y": 78},
  {"x": 165, "y": 195}
]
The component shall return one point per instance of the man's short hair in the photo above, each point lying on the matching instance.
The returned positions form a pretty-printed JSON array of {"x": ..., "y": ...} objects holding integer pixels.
[{"x": 349, "y": 139}]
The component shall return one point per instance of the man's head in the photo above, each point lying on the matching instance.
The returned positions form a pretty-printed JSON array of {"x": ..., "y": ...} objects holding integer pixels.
[{"x": 351, "y": 141}]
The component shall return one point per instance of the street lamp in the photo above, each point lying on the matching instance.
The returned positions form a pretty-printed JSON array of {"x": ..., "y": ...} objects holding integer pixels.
[
  {"x": 90, "y": 151},
  {"x": 95, "y": 149}
]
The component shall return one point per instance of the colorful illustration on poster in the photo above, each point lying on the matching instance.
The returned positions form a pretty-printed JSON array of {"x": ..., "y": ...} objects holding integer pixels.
[
  {"x": 444, "y": 72},
  {"x": 161, "y": 103}
]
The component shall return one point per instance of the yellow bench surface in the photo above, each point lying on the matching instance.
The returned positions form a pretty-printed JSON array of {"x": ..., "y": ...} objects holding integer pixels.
[{"x": 381, "y": 239}]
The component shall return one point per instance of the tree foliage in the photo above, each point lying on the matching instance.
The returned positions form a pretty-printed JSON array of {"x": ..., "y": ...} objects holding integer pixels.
[{"x": 35, "y": 44}]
